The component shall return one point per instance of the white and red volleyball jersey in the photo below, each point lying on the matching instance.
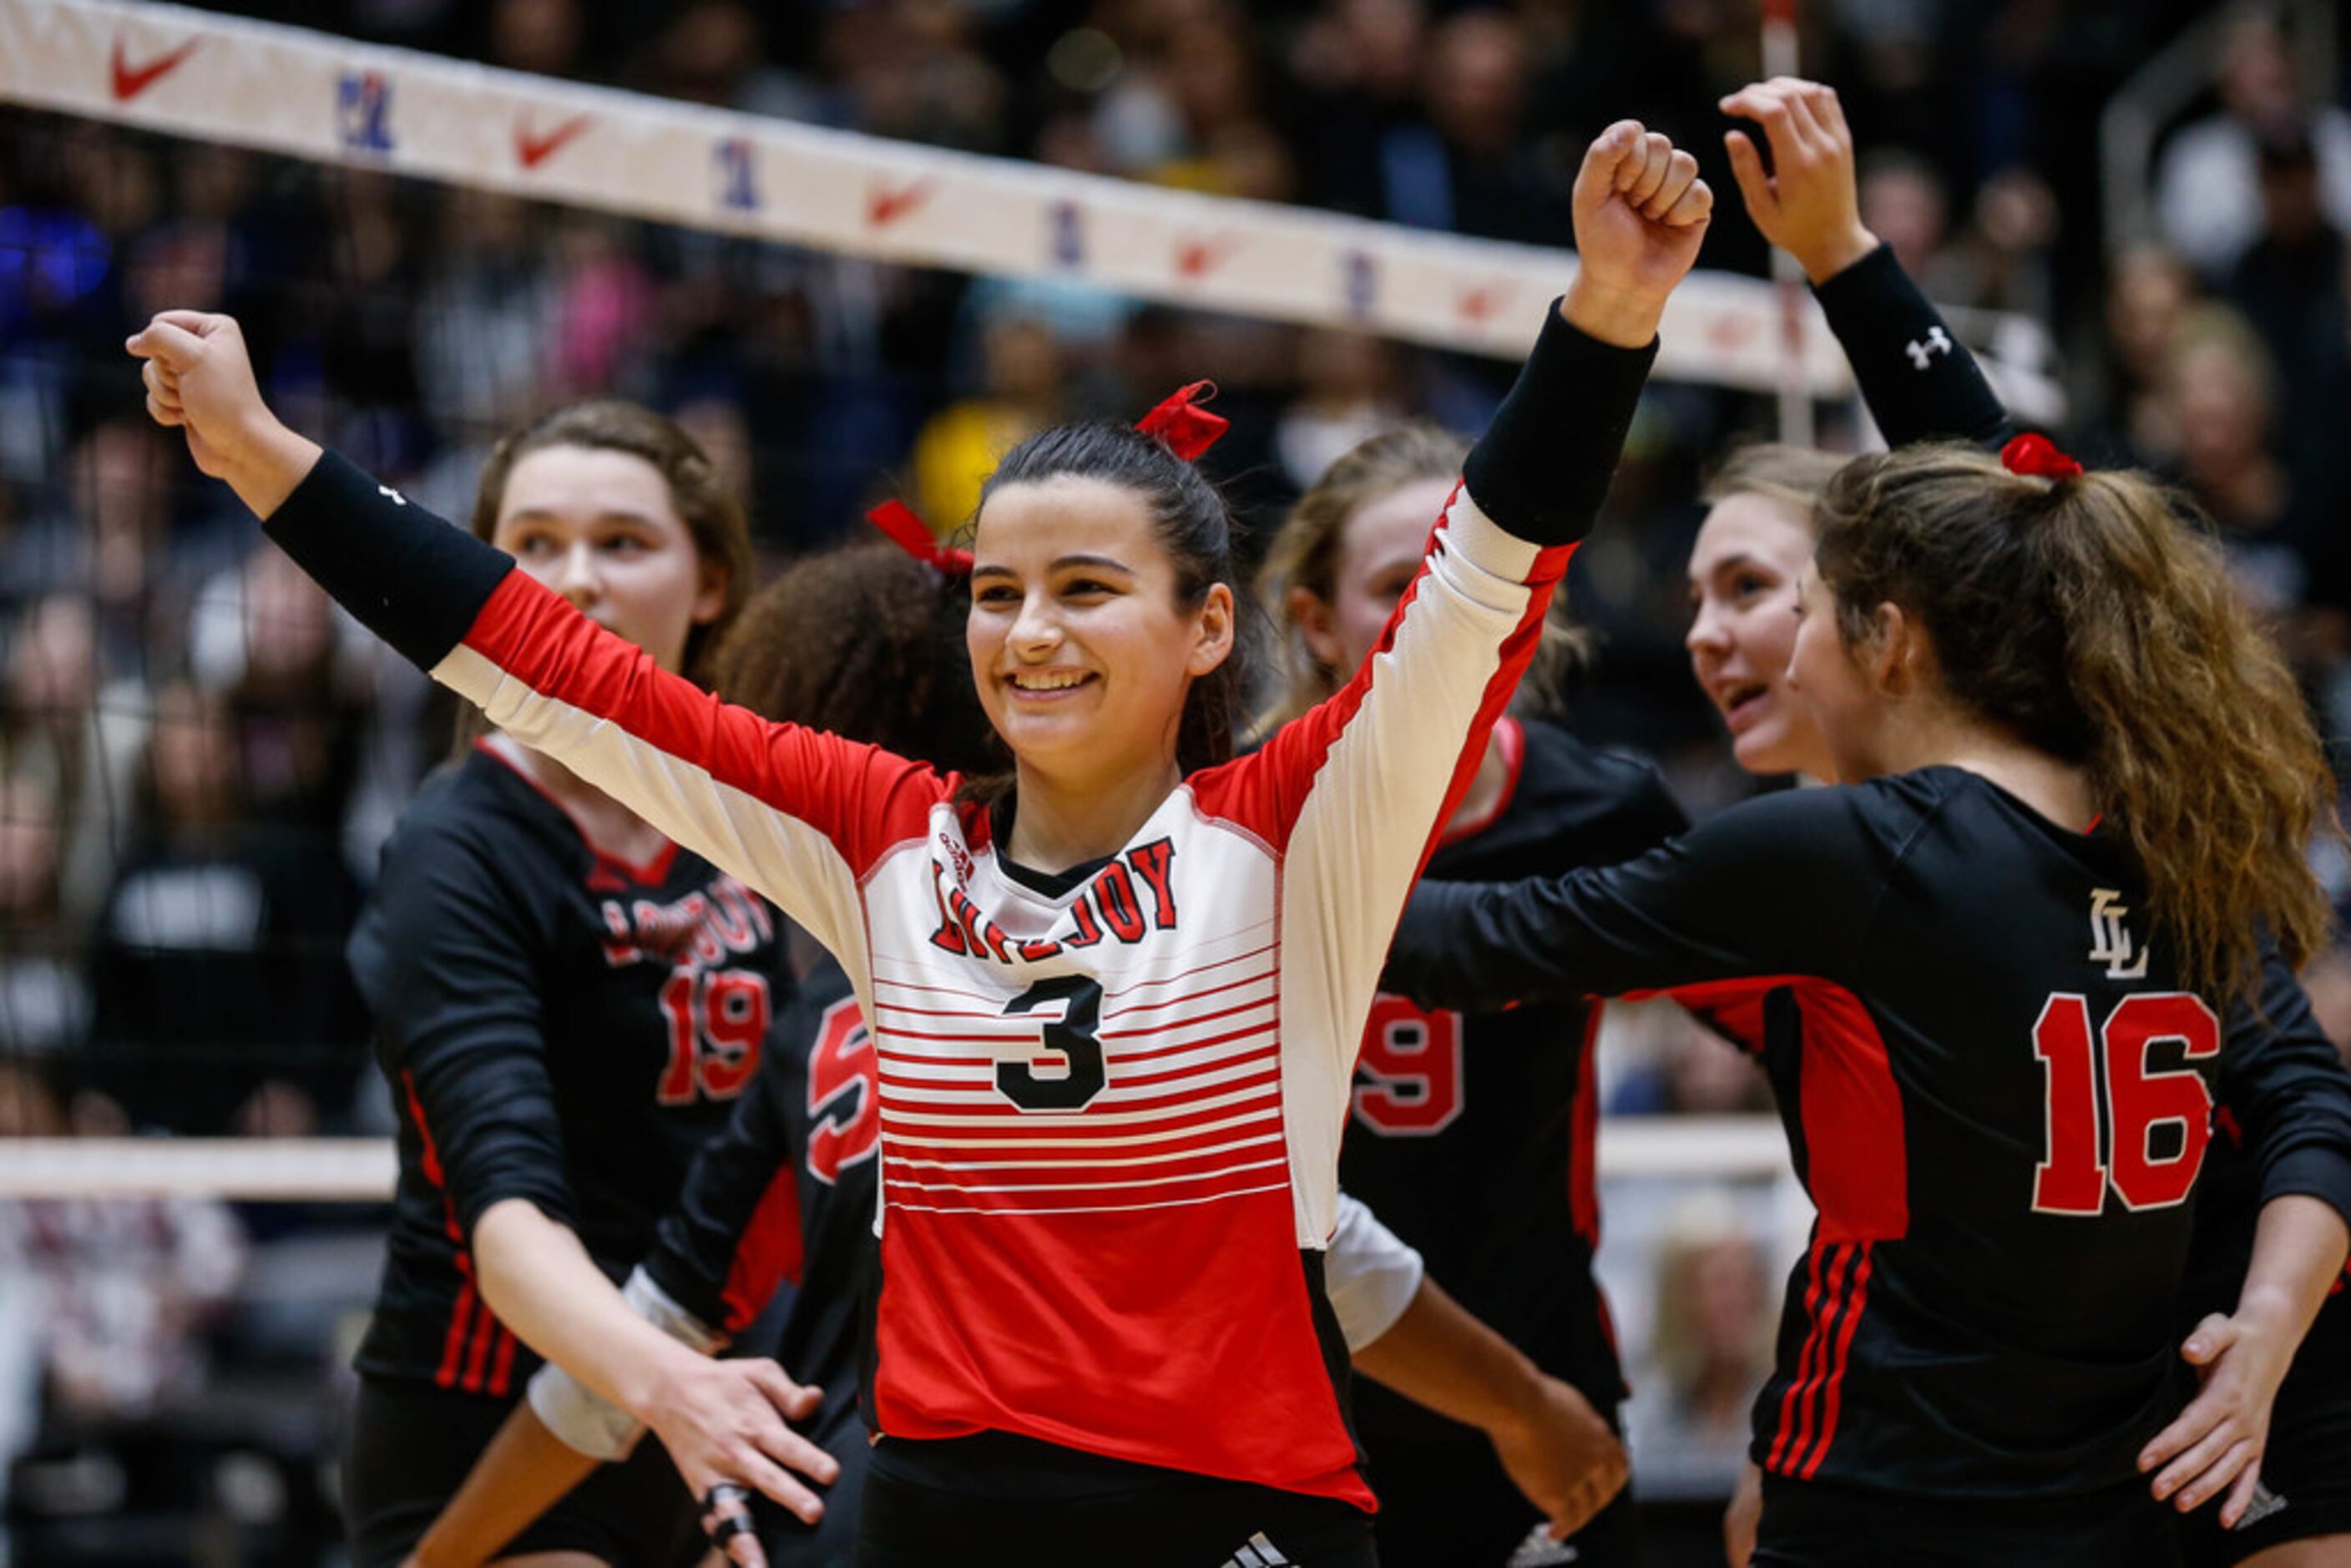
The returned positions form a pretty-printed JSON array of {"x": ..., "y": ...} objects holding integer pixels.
[{"x": 1110, "y": 1118}]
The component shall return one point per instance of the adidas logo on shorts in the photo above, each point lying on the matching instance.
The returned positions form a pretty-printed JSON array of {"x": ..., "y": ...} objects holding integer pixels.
[
  {"x": 1257, "y": 1551},
  {"x": 1540, "y": 1551}
]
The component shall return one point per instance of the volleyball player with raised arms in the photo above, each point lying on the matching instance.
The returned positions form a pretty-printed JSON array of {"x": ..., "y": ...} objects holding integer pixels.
[
  {"x": 2078, "y": 783},
  {"x": 1922, "y": 384},
  {"x": 1117, "y": 1007},
  {"x": 790, "y": 1187}
]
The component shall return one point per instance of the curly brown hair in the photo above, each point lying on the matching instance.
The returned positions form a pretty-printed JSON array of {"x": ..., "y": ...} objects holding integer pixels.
[
  {"x": 2093, "y": 618},
  {"x": 866, "y": 641}
]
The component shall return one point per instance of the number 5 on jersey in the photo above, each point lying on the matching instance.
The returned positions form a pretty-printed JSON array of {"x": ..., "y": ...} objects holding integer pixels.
[{"x": 2071, "y": 1179}]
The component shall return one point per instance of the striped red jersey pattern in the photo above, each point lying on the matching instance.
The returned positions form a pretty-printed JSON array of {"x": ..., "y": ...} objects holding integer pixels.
[{"x": 1110, "y": 1118}]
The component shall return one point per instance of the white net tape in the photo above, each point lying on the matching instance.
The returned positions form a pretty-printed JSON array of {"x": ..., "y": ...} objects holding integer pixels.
[
  {"x": 360, "y": 1170},
  {"x": 328, "y": 99}
]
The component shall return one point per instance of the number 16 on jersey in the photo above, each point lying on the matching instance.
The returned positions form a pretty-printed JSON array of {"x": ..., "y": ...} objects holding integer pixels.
[{"x": 2086, "y": 1072}]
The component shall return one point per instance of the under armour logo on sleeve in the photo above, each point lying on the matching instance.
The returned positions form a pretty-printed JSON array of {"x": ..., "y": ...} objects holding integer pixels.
[
  {"x": 1922, "y": 351},
  {"x": 396, "y": 498}
]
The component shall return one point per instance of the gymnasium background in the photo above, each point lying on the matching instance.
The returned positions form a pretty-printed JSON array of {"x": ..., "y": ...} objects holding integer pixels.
[{"x": 2136, "y": 208}]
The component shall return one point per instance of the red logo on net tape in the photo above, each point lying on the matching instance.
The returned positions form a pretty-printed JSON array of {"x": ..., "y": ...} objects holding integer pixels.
[
  {"x": 130, "y": 81},
  {"x": 533, "y": 151}
]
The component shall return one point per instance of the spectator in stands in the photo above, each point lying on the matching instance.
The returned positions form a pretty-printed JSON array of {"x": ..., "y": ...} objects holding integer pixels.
[
  {"x": 2149, "y": 294},
  {"x": 1709, "y": 1349},
  {"x": 2208, "y": 192},
  {"x": 2289, "y": 285},
  {"x": 1902, "y": 203},
  {"x": 223, "y": 1001},
  {"x": 44, "y": 1006},
  {"x": 263, "y": 636},
  {"x": 2222, "y": 394},
  {"x": 1020, "y": 394},
  {"x": 80, "y": 731},
  {"x": 1351, "y": 387}
]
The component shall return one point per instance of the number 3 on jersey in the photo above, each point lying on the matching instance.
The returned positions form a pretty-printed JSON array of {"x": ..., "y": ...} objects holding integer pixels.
[
  {"x": 2070, "y": 1178},
  {"x": 1409, "y": 1075}
]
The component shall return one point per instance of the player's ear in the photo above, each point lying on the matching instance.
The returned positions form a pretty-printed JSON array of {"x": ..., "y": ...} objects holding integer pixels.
[
  {"x": 1899, "y": 660},
  {"x": 1214, "y": 642}
]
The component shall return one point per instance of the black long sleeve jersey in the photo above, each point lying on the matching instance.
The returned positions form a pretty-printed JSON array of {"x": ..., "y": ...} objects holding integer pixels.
[
  {"x": 556, "y": 1025},
  {"x": 1922, "y": 384},
  {"x": 1995, "y": 1089},
  {"x": 1470, "y": 1134},
  {"x": 788, "y": 1191}
]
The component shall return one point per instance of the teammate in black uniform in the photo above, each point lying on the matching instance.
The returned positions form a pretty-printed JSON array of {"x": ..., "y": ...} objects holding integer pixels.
[
  {"x": 2082, "y": 783},
  {"x": 1923, "y": 385},
  {"x": 1470, "y": 1132},
  {"x": 566, "y": 1005}
]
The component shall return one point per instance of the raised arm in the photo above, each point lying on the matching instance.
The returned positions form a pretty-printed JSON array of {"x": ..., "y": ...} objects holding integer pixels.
[
  {"x": 797, "y": 814},
  {"x": 1920, "y": 381}
]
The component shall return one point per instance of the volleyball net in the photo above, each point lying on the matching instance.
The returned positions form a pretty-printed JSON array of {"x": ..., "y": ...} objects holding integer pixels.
[{"x": 423, "y": 251}]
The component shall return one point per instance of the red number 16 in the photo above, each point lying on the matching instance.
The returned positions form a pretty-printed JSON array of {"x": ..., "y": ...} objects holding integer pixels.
[{"x": 2070, "y": 1178}]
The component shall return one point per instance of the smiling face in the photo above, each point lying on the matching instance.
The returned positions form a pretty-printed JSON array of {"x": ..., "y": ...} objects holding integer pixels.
[
  {"x": 599, "y": 527},
  {"x": 1743, "y": 573},
  {"x": 1380, "y": 550},
  {"x": 1081, "y": 651}
]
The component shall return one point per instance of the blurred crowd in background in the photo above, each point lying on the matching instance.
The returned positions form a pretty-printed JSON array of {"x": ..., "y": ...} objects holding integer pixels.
[{"x": 199, "y": 761}]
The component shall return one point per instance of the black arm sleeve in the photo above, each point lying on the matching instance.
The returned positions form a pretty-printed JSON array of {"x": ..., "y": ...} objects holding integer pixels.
[
  {"x": 734, "y": 1235},
  {"x": 410, "y": 578},
  {"x": 446, "y": 962},
  {"x": 2282, "y": 1080},
  {"x": 1919, "y": 379},
  {"x": 1544, "y": 465},
  {"x": 1780, "y": 886}
]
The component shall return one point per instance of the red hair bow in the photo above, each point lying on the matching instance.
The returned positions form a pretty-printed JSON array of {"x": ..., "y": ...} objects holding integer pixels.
[
  {"x": 2039, "y": 456},
  {"x": 907, "y": 531},
  {"x": 1180, "y": 422}
]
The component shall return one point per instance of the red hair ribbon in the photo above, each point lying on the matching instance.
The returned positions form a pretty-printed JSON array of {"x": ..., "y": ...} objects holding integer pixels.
[
  {"x": 2039, "y": 456},
  {"x": 1180, "y": 422},
  {"x": 909, "y": 533}
]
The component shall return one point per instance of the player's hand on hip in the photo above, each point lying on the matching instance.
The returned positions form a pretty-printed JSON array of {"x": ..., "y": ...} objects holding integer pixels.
[
  {"x": 1641, "y": 211},
  {"x": 2216, "y": 1444},
  {"x": 198, "y": 380},
  {"x": 726, "y": 1423},
  {"x": 1561, "y": 1456},
  {"x": 1810, "y": 204}
]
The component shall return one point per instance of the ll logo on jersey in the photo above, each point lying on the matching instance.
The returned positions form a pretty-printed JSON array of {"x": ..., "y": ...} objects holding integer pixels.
[{"x": 2110, "y": 940}]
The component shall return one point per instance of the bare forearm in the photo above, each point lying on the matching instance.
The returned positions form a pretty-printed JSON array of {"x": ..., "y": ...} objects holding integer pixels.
[
  {"x": 1438, "y": 1355},
  {"x": 542, "y": 1284},
  {"x": 522, "y": 1474},
  {"x": 2298, "y": 1250}
]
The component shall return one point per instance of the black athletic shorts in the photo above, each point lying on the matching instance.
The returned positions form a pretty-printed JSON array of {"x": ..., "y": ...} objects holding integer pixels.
[
  {"x": 1001, "y": 1506},
  {"x": 411, "y": 1446},
  {"x": 1812, "y": 1524},
  {"x": 1447, "y": 1504},
  {"x": 2305, "y": 1476}
]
